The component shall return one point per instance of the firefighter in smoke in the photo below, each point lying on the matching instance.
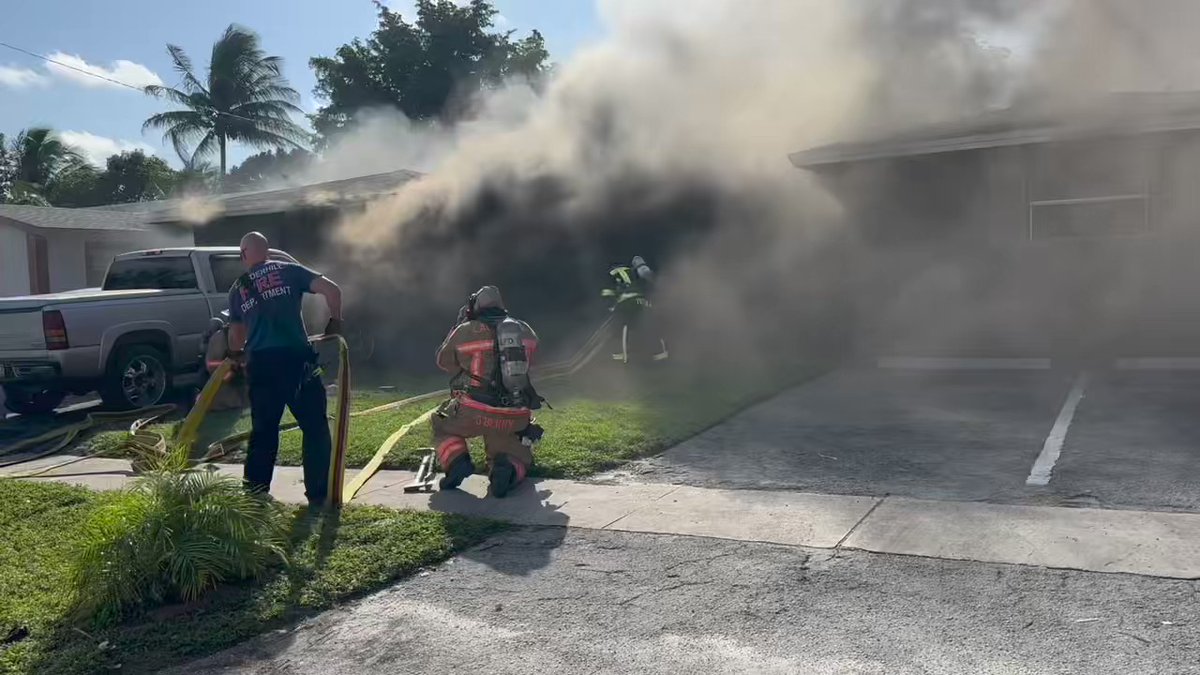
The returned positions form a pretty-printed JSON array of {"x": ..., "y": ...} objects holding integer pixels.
[
  {"x": 631, "y": 303},
  {"x": 489, "y": 353}
]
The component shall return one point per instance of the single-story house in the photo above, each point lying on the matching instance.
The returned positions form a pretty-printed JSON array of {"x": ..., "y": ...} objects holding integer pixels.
[
  {"x": 294, "y": 218},
  {"x": 1064, "y": 232},
  {"x": 47, "y": 250}
]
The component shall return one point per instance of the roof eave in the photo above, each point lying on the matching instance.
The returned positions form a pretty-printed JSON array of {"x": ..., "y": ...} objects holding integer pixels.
[{"x": 827, "y": 156}]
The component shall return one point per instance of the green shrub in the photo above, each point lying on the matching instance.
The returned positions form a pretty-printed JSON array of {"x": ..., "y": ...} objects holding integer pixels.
[{"x": 173, "y": 536}]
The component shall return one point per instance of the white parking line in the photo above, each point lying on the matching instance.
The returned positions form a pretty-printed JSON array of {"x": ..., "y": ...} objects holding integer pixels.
[
  {"x": 1052, "y": 448},
  {"x": 1159, "y": 363},
  {"x": 940, "y": 363}
]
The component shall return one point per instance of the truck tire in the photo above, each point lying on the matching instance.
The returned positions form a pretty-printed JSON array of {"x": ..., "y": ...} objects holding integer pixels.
[
  {"x": 138, "y": 377},
  {"x": 32, "y": 401}
]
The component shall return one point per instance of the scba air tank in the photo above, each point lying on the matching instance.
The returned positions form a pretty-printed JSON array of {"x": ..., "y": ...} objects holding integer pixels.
[{"x": 514, "y": 365}]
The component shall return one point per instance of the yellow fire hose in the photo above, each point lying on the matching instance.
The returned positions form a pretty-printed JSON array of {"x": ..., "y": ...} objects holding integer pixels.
[
  {"x": 144, "y": 442},
  {"x": 69, "y": 433}
]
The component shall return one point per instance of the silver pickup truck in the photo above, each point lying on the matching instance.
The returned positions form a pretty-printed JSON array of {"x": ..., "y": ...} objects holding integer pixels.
[{"x": 126, "y": 340}]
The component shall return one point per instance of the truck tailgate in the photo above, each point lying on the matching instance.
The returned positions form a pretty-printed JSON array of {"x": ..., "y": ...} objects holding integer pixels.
[{"x": 21, "y": 330}]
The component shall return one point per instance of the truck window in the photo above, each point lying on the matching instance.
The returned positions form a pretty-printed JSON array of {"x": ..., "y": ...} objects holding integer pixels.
[
  {"x": 225, "y": 270},
  {"x": 151, "y": 273}
]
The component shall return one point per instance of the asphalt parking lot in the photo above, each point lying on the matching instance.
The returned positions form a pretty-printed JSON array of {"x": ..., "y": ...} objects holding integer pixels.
[
  {"x": 1130, "y": 440},
  {"x": 1134, "y": 442}
]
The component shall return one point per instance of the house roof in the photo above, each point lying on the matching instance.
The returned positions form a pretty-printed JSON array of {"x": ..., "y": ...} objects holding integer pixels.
[
  {"x": 331, "y": 193},
  {"x": 50, "y": 218},
  {"x": 144, "y": 215},
  {"x": 1023, "y": 124}
]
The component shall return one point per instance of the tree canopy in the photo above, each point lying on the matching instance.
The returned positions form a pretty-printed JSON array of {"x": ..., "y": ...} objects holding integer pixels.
[
  {"x": 33, "y": 163},
  {"x": 38, "y": 169},
  {"x": 427, "y": 69},
  {"x": 261, "y": 168},
  {"x": 245, "y": 98},
  {"x": 131, "y": 176}
]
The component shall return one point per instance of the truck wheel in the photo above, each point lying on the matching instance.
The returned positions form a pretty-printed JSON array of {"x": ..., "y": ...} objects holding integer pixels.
[
  {"x": 138, "y": 377},
  {"x": 32, "y": 401}
]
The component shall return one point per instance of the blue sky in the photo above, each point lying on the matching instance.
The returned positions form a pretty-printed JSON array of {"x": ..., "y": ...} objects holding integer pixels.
[{"x": 127, "y": 39}]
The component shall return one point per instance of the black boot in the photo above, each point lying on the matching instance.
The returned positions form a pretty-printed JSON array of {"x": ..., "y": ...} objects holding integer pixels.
[
  {"x": 503, "y": 477},
  {"x": 460, "y": 469}
]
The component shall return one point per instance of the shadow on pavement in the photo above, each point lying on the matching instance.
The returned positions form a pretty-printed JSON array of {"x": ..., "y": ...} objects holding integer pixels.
[{"x": 527, "y": 506}]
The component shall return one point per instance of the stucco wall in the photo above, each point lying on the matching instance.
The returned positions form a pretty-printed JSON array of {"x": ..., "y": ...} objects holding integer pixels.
[
  {"x": 64, "y": 252},
  {"x": 14, "y": 262}
]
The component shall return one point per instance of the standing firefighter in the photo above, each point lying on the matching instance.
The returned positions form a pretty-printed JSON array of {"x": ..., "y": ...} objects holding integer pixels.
[
  {"x": 631, "y": 304},
  {"x": 265, "y": 319},
  {"x": 489, "y": 354}
]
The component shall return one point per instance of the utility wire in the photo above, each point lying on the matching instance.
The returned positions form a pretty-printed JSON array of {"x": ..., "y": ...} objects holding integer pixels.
[
  {"x": 69, "y": 66},
  {"x": 106, "y": 79}
]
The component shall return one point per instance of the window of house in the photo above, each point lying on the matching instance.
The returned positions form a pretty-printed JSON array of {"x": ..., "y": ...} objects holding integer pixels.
[{"x": 1093, "y": 188}]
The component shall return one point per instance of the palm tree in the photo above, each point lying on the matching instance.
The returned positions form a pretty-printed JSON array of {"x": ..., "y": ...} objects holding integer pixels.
[
  {"x": 245, "y": 99},
  {"x": 39, "y": 158}
]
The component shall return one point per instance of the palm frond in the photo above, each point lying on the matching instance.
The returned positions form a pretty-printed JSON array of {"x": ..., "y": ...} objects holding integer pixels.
[
  {"x": 183, "y": 65},
  {"x": 207, "y": 147},
  {"x": 266, "y": 132},
  {"x": 193, "y": 100},
  {"x": 271, "y": 108},
  {"x": 176, "y": 118}
]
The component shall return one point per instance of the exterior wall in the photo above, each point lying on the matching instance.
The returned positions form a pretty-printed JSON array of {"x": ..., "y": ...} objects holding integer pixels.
[
  {"x": 68, "y": 265},
  {"x": 963, "y": 273},
  {"x": 14, "y": 261}
]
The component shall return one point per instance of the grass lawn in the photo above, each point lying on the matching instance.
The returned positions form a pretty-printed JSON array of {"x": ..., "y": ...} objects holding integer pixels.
[
  {"x": 597, "y": 422},
  {"x": 333, "y": 559}
]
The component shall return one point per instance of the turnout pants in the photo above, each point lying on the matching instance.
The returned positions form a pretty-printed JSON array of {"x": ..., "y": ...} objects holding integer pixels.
[
  {"x": 278, "y": 378},
  {"x": 639, "y": 338},
  {"x": 462, "y": 417}
]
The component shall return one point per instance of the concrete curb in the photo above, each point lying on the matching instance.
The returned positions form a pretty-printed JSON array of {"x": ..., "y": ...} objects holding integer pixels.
[{"x": 1094, "y": 540}]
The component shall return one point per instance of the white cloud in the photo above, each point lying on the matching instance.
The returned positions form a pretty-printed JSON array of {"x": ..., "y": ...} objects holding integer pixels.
[
  {"x": 130, "y": 73},
  {"x": 96, "y": 149},
  {"x": 12, "y": 76}
]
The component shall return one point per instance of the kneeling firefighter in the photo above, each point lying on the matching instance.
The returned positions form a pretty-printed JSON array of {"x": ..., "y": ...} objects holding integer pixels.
[
  {"x": 489, "y": 353},
  {"x": 640, "y": 338}
]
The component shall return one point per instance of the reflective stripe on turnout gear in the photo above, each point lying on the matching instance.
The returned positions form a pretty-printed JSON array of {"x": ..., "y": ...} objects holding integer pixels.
[
  {"x": 468, "y": 402},
  {"x": 475, "y": 351},
  {"x": 519, "y": 467},
  {"x": 623, "y": 274},
  {"x": 450, "y": 449}
]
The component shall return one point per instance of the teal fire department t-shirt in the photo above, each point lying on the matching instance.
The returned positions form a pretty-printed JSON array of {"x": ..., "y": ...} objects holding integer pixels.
[{"x": 268, "y": 301}]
